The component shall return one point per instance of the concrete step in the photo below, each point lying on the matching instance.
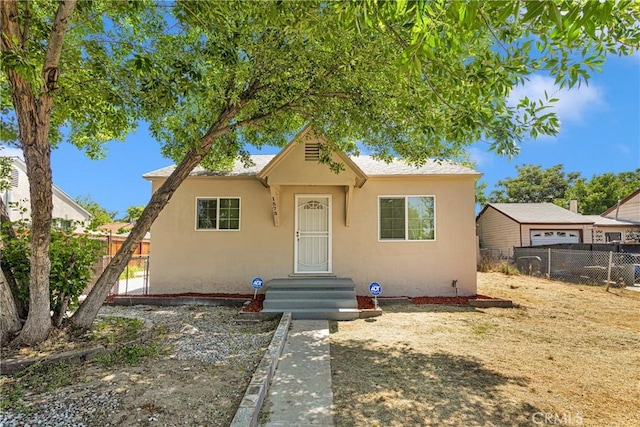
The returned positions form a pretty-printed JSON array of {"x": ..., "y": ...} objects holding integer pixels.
[
  {"x": 313, "y": 293},
  {"x": 312, "y": 313},
  {"x": 297, "y": 304},
  {"x": 312, "y": 298},
  {"x": 310, "y": 282}
]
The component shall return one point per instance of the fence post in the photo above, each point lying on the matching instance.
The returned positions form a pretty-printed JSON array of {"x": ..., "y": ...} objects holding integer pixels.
[
  {"x": 548, "y": 263},
  {"x": 609, "y": 270}
]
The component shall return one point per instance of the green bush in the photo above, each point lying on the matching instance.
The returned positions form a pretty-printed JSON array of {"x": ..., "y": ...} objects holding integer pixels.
[{"x": 72, "y": 259}]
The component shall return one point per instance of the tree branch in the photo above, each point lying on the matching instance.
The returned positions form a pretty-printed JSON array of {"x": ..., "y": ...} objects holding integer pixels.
[
  {"x": 405, "y": 45},
  {"x": 25, "y": 27},
  {"x": 258, "y": 119},
  {"x": 54, "y": 47},
  {"x": 340, "y": 95},
  {"x": 10, "y": 28},
  {"x": 486, "y": 22}
]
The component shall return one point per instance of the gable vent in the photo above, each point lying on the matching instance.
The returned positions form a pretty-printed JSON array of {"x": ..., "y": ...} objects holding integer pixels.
[
  {"x": 312, "y": 151},
  {"x": 14, "y": 177}
]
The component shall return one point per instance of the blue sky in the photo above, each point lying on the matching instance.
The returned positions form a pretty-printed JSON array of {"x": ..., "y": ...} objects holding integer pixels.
[{"x": 600, "y": 132}]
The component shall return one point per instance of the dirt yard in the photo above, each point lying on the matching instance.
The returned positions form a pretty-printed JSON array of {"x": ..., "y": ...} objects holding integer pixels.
[{"x": 567, "y": 355}]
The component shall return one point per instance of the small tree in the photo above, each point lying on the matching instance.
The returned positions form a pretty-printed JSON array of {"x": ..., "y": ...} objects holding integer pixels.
[
  {"x": 133, "y": 213},
  {"x": 72, "y": 259},
  {"x": 99, "y": 214}
]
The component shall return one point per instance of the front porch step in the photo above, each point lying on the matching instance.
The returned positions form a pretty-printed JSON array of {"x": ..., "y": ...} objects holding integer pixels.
[
  {"x": 319, "y": 303},
  {"x": 306, "y": 293},
  {"x": 312, "y": 298},
  {"x": 310, "y": 282}
]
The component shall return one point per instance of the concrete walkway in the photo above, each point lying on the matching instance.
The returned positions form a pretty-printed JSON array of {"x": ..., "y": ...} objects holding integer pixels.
[{"x": 300, "y": 392}]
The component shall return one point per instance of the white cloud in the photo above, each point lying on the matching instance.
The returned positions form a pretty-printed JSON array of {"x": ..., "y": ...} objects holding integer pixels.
[
  {"x": 572, "y": 106},
  {"x": 480, "y": 157},
  {"x": 624, "y": 149}
]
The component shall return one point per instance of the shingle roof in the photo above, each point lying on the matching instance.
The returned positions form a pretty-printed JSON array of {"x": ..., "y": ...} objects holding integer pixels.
[
  {"x": 371, "y": 166},
  {"x": 368, "y": 164},
  {"x": 259, "y": 160},
  {"x": 600, "y": 220},
  {"x": 539, "y": 213}
]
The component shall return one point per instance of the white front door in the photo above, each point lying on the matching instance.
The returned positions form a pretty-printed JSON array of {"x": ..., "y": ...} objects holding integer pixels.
[{"x": 313, "y": 234}]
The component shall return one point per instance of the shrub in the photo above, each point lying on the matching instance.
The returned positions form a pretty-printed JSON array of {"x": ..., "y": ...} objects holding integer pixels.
[
  {"x": 490, "y": 263},
  {"x": 72, "y": 259}
]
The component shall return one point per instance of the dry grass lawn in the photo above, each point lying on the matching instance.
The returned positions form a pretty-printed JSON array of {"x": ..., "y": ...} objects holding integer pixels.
[{"x": 569, "y": 355}]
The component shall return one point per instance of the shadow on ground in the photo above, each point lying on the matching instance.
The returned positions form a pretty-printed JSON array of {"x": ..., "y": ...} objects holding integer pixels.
[
  {"x": 429, "y": 308},
  {"x": 399, "y": 386}
]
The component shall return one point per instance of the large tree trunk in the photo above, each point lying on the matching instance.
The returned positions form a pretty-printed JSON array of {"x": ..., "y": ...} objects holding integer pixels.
[
  {"x": 38, "y": 159},
  {"x": 9, "y": 320},
  {"x": 33, "y": 108},
  {"x": 19, "y": 306},
  {"x": 88, "y": 310}
]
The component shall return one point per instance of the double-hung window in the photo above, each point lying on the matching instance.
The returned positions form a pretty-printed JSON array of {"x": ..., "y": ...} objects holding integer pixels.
[
  {"x": 218, "y": 213},
  {"x": 406, "y": 218}
]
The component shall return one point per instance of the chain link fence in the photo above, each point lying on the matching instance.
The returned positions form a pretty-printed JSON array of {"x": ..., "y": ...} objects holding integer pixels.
[{"x": 583, "y": 267}]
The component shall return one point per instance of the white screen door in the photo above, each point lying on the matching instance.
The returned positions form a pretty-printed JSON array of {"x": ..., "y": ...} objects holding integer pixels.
[{"x": 313, "y": 234}]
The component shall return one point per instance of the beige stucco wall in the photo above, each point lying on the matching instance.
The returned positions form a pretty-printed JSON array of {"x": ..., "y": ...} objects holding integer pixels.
[
  {"x": 186, "y": 260},
  {"x": 498, "y": 231},
  {"x": 293, "y": 169}
]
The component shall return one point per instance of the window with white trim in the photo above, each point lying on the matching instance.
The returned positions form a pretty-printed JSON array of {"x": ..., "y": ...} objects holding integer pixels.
[
  {"x": 218, "y": 213},
  {"x": 612, "y": 236},
  {"x": 406, "y": 217}
]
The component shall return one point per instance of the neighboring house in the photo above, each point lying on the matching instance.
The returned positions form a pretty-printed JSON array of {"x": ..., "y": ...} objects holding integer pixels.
[
  {"x": 628, "y": 209},
  {"x": 620, "y": 222},
  {"x": 503, "y": 226},
  {"x": 606, "y": 230},
  {"x": 66, "y": 211},
  {"x": 411, "y": 229}
]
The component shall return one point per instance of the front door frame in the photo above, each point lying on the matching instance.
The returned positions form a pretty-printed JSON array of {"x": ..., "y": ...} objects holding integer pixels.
[{"x": 296, "y": 232}]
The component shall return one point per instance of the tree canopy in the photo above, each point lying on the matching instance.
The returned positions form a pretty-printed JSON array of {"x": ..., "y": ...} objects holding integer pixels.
[
  {"x": 413, "y": 79},
  {"x": 602, "y": 191},
  {"x": 133, "y": 213},
  {"x": 533, "y": 184},
  {"x": 100, "y": 215}
]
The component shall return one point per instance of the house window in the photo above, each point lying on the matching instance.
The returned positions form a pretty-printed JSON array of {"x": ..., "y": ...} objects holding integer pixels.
[
  {"x": 613, "y": 237},
  {"x": 406, "y": 218},
  {"x": 218, "y": 213},
  {"x": 62, "y": 224}
]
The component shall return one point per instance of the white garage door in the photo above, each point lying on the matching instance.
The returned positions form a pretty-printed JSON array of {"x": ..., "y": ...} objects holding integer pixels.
[{"x": 550, "y": 237}]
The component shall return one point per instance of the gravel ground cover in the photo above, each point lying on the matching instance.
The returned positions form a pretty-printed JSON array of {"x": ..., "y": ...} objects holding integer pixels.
[{"x": 195, "y": 375}]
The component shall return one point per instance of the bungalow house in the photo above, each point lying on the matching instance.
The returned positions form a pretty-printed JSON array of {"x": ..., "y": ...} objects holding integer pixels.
[
  {"x": 619, "y": 223},
  {"x": 67, "y": 212},
  {"x": 503, "y": 226},
  {"x": 296, "y": 224}
]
